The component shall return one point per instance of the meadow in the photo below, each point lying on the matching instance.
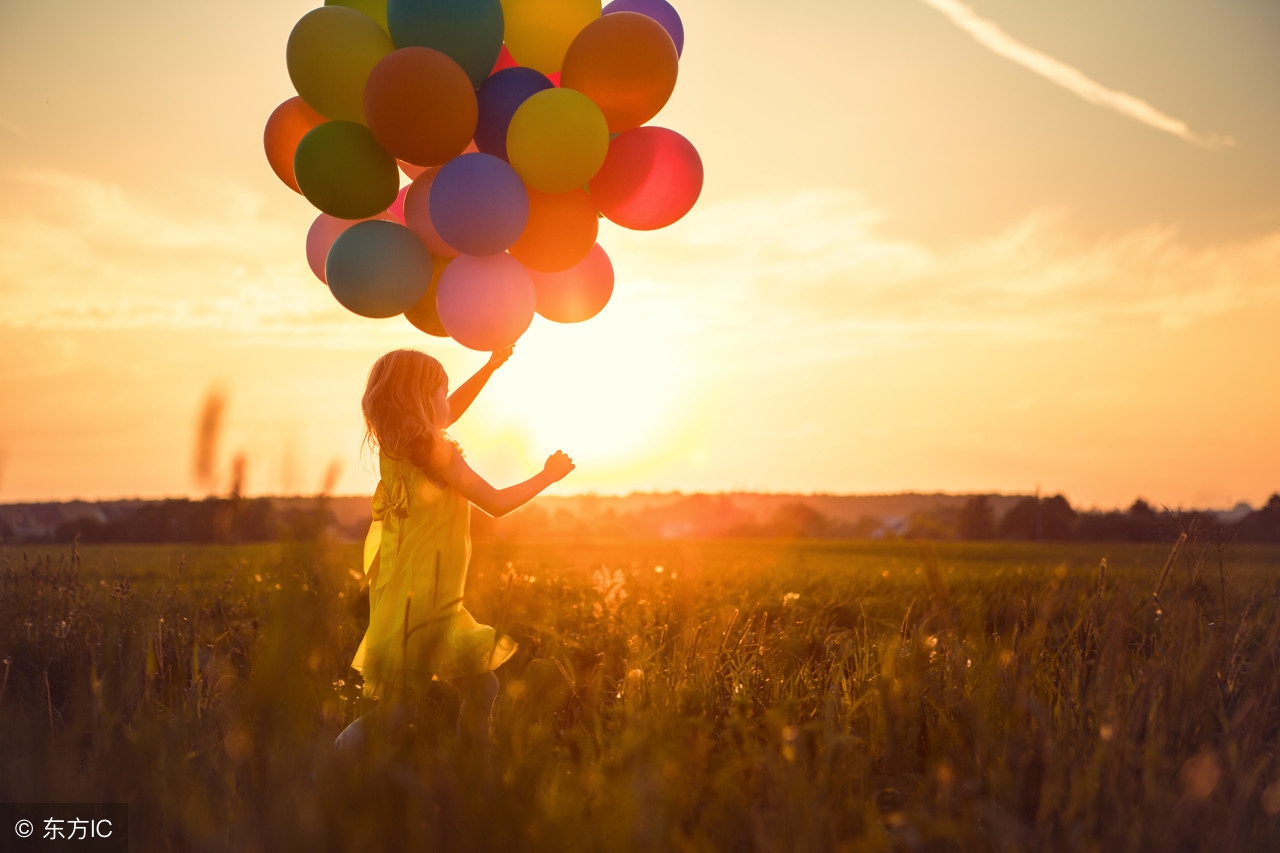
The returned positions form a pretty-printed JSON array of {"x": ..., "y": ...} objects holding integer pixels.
[{"x": 669, "y": 695}]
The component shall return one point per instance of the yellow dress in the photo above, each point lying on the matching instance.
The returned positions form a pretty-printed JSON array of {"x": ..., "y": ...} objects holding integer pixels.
[{"x": 415, "y": 562}]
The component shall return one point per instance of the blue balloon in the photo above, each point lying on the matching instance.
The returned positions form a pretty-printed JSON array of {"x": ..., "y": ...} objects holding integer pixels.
[
  {"x": 498, "y": 99},
  {"x": 467, "y": 31},
  {"x": 660, "y": 10},
  {"x": 378, "y": 268},
  {"x": 478, "y": 204}
]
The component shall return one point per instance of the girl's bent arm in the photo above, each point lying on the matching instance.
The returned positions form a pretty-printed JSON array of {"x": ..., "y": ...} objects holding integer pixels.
[{"x": 499, "y": 502}]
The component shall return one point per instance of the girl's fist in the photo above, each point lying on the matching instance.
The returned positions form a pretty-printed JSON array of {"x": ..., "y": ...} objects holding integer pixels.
[{"x": 558, "y": 465}]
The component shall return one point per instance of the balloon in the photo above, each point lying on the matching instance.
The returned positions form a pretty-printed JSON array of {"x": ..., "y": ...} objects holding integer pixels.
[
  {"x": 539, "y": 31},
  {"x": 498, "y": 99},
  {"x": 557, "y": 140},
  {"x": 651, "y": 178},
  {"x": 420, "y": 105},
  {"x": 342, "y": 170},
  {"x": 288, "y": 123},
  {"x": 417, "y": 215},
  {"x": 578, "y": 293},
  {"x": 660, "y": 10},
  {"x": 378, "y": 269},
  {"x": 627, "y": 64},
  {"x": 320, "y": 239},
  {"x": 330, "y": 54},
  {"x": 469, "y": 31},
  {"x": 424, "y": 315},
  {"x": 485, "y": 303},
  {"x": 396, "y": 210},
  {"x": 478, "y": 204},
  {"x": 562, "y": 229},
  {"x": 376, "y": 9},
  {"x": 504, "y": 61}
]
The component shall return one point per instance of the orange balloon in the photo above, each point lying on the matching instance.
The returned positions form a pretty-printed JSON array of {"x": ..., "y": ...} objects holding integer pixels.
[
  {"x": 625, "y": 62},
  {"x": 562, "y": 228},
  {"x": 424, "y": 315},
  {"x": 420, "y": 105},
  {"x": 288, "y": 123}
]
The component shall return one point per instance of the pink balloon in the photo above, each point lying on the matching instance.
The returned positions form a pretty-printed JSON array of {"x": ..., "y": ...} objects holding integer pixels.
[
  {"x": 417, "y": 215},
  {"x": 578, "y": 293},
  {"x": 323, "y": 232},
  {"x": 651, "y": 177},
  {"x": 485, "y": 303},
  {"x": 396, "y": 210}
]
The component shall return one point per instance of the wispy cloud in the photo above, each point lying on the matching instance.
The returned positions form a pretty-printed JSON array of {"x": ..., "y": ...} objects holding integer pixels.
[
  {"x": 990, "y": 36},
  {"x": 819, "y": 276}
]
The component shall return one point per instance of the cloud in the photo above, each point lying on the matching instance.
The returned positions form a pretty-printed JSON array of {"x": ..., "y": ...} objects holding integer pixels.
[
  {"x": 819, "y": 273},
  {"x": 990, "y": 36},
  {"x": 80, "y": 254}
]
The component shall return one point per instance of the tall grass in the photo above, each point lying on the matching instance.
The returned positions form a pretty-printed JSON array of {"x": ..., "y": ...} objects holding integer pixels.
[{"x": 669, "y": 696}]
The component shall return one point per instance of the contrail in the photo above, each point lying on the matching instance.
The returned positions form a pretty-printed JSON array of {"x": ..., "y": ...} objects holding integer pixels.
[{"x": 989, "y": 35}]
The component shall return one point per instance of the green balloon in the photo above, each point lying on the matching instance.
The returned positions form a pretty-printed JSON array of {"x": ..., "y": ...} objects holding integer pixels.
[
  {"x": 376, "y": 9},
  {"x": 342, "y": 170}
]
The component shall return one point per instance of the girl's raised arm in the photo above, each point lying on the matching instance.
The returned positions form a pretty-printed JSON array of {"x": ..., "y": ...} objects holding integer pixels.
[
  {"x": 462, "y": 398},
  {"x": 498, "y": 502}
]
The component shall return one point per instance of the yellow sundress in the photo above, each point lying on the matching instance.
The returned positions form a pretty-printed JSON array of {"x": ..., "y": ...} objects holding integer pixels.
[{"x": 415, "y": 562}]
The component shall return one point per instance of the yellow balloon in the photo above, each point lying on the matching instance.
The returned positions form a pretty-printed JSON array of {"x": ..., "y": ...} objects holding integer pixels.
[
  {"x": 557, "y": 140},
  {"x": 376, "y": 9},
  {"x": 538, "y": 32},
  {"x": 330, "y": 54}
]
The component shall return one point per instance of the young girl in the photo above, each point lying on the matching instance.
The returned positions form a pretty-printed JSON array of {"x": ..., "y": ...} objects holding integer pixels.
[{"x": 419, "y": 544}]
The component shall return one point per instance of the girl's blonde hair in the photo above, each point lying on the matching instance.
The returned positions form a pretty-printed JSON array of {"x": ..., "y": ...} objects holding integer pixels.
[{"x": 398, "y": 405}]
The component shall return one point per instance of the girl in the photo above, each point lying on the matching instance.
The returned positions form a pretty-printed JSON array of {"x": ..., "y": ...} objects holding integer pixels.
[{"x": 419, "y": 544}]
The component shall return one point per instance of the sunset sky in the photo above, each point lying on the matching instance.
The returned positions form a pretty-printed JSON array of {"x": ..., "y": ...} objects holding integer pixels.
[{"x": 981, "y": 246}]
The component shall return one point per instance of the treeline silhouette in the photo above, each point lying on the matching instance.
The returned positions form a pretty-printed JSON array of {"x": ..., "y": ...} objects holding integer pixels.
[
  {"x": 699, "y": 516},
  {"x": 212, "y": 520}
]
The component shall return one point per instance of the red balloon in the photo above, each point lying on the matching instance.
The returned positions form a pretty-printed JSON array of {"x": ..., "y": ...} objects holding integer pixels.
[
  {"x": 651, "y": 177},
  {"x": 505, "y": 60},
  {"x": 561, "y": 229},
  {"x": 578, "y": 293},
  {"x": 320, "y": 237},
  {"x": 421, "y": 105},
  {"x": 485, "y": 303},
  {"x": 417, "y": 215},
  {"x": 288, "y": 123}
]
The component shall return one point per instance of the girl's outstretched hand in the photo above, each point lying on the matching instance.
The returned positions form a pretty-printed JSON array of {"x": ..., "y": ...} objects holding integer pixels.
[
  {"x": 499, "y": 357},
  {"x": 558, "y": 466}
]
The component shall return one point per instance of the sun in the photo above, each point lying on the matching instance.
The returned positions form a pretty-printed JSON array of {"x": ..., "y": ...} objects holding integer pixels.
[{"x": 609, "y": 392}]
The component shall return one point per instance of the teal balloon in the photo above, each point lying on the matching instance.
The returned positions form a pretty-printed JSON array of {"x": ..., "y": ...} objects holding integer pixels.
[
  {"x": 378, "y": 269},
  {"x": 467, "y": 31},
  {"x": 342, "y": 170}
]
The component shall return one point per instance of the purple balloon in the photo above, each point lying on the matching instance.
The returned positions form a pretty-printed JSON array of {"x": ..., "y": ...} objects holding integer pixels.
[
  {"x": 478, "y": 204},
  {"x": 660, "y": 10},
  {"x": 498, "y": 99}
]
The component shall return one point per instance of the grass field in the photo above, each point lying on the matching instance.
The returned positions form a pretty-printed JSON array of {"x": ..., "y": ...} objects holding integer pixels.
[{"x": 666, "y": 696}]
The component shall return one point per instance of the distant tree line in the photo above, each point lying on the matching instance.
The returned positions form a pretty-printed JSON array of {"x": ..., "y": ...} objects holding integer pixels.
[
  {"x": 1053, "y": 519},
  {"x": 212, "y": 520},
  {"x": 700, "y": 516}
]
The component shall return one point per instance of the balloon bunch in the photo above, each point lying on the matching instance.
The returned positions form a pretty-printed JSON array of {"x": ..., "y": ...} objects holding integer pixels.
[{"x": 519, "y": 122}]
